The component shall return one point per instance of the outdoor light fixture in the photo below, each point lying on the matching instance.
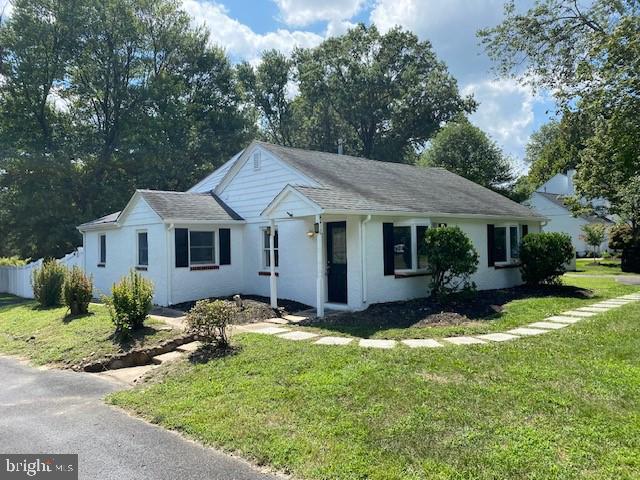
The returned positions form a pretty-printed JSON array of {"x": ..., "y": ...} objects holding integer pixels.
[
  {"x": 311, "y": 234},
  {"x": 268, "y": 230},
  {"x": 316, "y": 227}
]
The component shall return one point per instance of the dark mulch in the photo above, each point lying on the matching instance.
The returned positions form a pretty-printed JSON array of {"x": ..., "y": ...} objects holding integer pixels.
[
  {"x": 426, "y": 312},
  {"x": 254, "y": 308}
]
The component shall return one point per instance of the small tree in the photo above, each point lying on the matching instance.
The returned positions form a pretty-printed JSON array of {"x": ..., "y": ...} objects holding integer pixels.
[
  {"x": 47, "y": 283},
  {"x": 594, "y": 234},
  {"x": 451, "y": 260},
  {"x": 77, "y": 291},
  {"x": 209, "y": 320},
  {"x": 130, "y": 302},
  {"x": 543, "y": 257}
]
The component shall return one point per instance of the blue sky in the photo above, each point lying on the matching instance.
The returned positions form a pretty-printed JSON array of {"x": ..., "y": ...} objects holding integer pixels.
[{"x": 509, "y": 112}]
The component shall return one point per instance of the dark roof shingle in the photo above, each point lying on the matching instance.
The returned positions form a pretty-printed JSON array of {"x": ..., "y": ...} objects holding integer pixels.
[
  {"x": 353, "y": 183},
  {"x": 188, "y": 206}
]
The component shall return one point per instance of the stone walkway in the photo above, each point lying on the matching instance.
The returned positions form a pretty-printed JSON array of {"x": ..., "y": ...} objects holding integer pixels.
[{"x": 549, "y": 324}]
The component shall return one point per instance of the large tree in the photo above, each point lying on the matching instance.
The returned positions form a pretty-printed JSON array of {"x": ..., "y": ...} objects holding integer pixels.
[
  {"x": 391, "y": 91},
  {"x": 463, "y": 148},
  {"x": 100, "y": 98},
  {"x": 588, "y": 56}
]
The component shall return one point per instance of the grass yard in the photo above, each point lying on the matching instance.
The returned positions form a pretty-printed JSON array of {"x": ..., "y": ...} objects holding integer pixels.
[
  {"x": 516, "y": 313},
  {"x": 62, "y": 340},
  {"x": 563, "y": 405},
  {"x": 609, "y": 267}
]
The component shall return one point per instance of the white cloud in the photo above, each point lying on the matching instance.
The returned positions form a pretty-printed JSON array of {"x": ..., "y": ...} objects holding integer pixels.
[
  {"x": 240, "y": 40},
  {"x": 506, "y": 113},
  {"x": 306, "y": 12}
]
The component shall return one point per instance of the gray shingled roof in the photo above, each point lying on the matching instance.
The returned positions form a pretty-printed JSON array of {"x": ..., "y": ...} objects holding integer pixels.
[
  {"x": 188, "y": 206},
  {"x": 559, "y": 200},
  {"x": 179, "y": 206},
  {"x": 353, "y": 183}
]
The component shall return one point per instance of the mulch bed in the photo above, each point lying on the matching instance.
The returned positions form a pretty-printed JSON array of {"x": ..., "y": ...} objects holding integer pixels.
[
  {"x": 428, "y": 312},
  {"x": 254, "y": 308}
]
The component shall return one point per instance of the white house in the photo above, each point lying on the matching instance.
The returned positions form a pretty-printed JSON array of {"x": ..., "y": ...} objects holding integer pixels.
[
  {"x": 549, "y": 201},
  {"x": 327, "y": 230}
]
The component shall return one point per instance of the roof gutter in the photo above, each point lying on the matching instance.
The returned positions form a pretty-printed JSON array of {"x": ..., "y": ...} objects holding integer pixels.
[{"x": 392, "y": 213}]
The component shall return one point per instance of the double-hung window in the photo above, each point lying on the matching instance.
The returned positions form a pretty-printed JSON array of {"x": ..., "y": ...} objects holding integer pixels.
[
  {"x": 266, "y": 256},
  {"x": 506, "y": 244},
  {"x": 143, "y": 249},
  {"x": 202, "y": 249},
  {"x": 409, "y": 250}
]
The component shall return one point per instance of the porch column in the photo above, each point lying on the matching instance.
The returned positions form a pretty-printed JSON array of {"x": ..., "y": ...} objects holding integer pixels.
[
  {"x": 321, "y": 269},
  {"x": 272, "y": 264}
]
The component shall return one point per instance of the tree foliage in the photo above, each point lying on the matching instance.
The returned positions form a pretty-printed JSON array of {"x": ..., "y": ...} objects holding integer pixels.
[
  {"x": 594, "y": 234},
  {"x": 463, "y": 148}
]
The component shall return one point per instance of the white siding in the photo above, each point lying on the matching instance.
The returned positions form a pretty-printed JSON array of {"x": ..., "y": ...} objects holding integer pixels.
[
  {"x": 122, "y": 249},
  {"x": 561, "y": 220},
  {"x": 251, "y": 190},
  {"x": 212, "y": 180}
]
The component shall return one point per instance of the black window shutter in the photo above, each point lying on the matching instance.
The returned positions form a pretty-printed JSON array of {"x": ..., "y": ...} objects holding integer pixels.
[
  {"x": 225, "y": 246},
  {"x": 182, "y": 247},
  {"x": 491, "y": 249},
  {"x": 525, "y": 230},
  {"x": 387, "y": 246}
]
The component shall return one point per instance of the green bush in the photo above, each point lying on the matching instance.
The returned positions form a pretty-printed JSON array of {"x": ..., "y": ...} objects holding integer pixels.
[
  {"x": 77, "y": 291},
  {"x": 451, "y": 260},
  {"x": 130, "y": 302},
  {"x": 620, "y": 236},
  {"x": 47, "y": 283},
  {"x": 543, "y": 257},
  {"x": 209, "y": 320},
  {"x": 14, "y": 261}
]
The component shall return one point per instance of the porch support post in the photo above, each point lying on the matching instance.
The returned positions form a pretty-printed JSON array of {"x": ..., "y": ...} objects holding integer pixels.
[
  {"x": 272, "y": 264},
  {"x": 320, "y": 296}
]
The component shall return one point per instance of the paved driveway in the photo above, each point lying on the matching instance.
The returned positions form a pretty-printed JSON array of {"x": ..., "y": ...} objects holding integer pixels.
[{"x": 52, "y": 411}]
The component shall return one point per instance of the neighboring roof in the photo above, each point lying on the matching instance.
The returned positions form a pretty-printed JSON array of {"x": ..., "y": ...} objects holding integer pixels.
[
  {"x": 182, "y": 206},
  {"x": 111, "y": 218},
  {"x": 353, "y": 183},
  {"x": 188, "y": 206},
  {"x": 559, "y": 200}
]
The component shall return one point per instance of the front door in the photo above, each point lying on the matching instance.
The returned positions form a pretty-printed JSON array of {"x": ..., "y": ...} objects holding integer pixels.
[{"x": 337, "y": 262}]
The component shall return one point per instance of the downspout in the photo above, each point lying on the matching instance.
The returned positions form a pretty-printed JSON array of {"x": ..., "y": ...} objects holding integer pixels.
[
  {"x": 170, "y": 227},
  {"x": 363, "y": 257}
]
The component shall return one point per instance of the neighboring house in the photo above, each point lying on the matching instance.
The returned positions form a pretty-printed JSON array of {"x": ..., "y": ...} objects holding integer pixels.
[
  {"x": 549, "y": 201},
  {"x": 327, "y": 230}
]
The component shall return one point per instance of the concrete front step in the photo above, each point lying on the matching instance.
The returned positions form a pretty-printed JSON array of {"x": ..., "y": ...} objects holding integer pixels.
[
  {"x": 167, "y": 357},
  {"x": 128, "y": 375},
  {"x": 189, "y": 347}
]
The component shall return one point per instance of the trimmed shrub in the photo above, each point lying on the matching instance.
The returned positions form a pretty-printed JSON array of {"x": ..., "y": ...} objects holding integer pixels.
[
  {"x": 130, "y": 302},
  {"x": 47, "y": 283},
  {"x": 620, "y": 236},
  {"x": 77, "y": 291},
  {"x": 543, "y": 257},
  {"x": 451, "y": 260},
  {"x": 209, "y": 320}
]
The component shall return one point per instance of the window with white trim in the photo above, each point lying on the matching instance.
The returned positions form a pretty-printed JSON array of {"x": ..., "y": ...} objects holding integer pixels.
[
  {"x": 143, "y": 249},
  {"x": 409, "y": 249},
  {"x": 202, "y": 248},
  {"x": 266, "y": 256},
  {"x": 507, "y": 244}
]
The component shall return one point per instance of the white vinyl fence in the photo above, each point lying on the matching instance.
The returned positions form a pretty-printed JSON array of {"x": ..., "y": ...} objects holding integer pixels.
[{"x": 17, "y": 280}]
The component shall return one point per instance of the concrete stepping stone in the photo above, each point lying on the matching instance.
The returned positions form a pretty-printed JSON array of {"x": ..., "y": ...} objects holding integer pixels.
[
  {"x": 463, "y": 340},
  {"x": 127, "y": 375},
  {"x": 631, "y": 296},
  {"x": 594, "y": 309},
  {"x": 421, "y": 342},
  {"x": 189, "y": 347},
  {"x": 497, "y": 337},
  {"x": 577, "y": 313},
  {"x": 167, "y": 357},
  {"x": 277, "y": 321},
  {"x": 294, "y": 318},
  {"x": 334, "y": 341},
  {"x": 561, "y": 319},
  {"x": 526, "y": 331},
  {"x": 270, "y": 330},
  {"x": 298, "y": 335},
  {"x": 608, "y": 304},
  {"x": 548, "y": 325},
  {"x": 372, "y": 343}
]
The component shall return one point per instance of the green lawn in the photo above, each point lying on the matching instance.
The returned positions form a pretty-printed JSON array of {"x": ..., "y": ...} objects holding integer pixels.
[
  {"x": 588, "y": 266},
  {"x": 516, "y": 313},
  {"x": 62, "y": 340},
  {"x": 564, "y": 405}
]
